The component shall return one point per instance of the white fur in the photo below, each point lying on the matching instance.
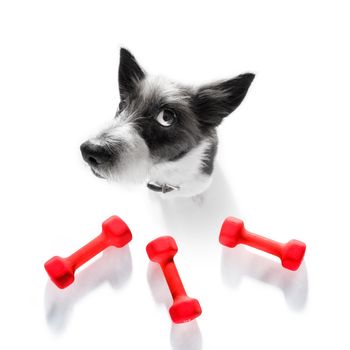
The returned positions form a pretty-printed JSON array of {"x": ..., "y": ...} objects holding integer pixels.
[
  {"x": 170, "y": 90},
  {"x": 184, "y": 173},
  {"x": 135, "y": 160}
]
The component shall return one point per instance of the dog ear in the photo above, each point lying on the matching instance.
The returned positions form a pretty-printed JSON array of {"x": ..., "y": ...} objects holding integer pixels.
[
  {"x": 215, "y": 101},
  {"x": 130, "y": 73}
]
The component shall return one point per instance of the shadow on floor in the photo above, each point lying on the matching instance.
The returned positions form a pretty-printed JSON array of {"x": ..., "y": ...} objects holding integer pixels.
[
  {"x": 201, "y": 216},
  {"x": 186, "y": 336}
]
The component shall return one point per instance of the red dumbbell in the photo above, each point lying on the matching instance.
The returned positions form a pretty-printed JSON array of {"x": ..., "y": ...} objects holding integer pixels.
[
  {"x": 233, "y": 233},
  {"x": 162, "y": 251},
  {"x": 115, "y": 233}
]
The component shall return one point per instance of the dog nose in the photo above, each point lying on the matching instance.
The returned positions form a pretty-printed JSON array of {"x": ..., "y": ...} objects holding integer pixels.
[{"x": 95, "y": 154}]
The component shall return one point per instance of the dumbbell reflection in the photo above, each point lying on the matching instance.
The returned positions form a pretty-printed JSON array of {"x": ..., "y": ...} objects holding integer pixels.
[
  {"x": 113, "y": 267},
  {"x": 240, "y": 263}
]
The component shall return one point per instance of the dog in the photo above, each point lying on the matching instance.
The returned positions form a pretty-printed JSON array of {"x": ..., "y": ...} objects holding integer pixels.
[{"x": 164, "y": 133}]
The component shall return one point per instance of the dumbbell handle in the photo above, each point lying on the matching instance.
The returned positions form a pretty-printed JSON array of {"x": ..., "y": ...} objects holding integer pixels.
[
  {"x": 173, "y": 279},
  {"x": 88, "y": 251},
  {"x": 262, "y": 243}
]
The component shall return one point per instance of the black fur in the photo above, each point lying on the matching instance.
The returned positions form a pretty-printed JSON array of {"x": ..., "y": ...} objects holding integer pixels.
[
  {"x": 215, "y": 101},
  {"x": 130, "y": 73},
  {"x": 169, "y": 143},
  {"x": 208, "y": 162}
]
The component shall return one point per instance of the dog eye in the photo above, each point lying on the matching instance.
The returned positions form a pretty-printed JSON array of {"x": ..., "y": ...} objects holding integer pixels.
[{"x": 166, "y": 117}]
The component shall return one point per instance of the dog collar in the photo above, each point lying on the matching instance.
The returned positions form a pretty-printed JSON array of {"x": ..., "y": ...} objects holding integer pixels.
[{"x": 164, "y": 188}]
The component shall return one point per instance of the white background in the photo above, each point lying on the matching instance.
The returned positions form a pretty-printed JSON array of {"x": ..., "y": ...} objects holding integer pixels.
[{"x": 283, "y": 167}]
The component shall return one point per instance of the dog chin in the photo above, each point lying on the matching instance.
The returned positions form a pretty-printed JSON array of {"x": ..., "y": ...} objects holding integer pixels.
[
  {"x": 97, "y": 174},
  {"x": 130, "y": 175}
]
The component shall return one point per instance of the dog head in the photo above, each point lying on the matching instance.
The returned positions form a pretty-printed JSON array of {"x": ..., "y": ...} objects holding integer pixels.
[{"x": 158, "y": 121}]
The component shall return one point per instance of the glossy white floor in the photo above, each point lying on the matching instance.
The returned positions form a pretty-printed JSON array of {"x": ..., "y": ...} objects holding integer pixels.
[{"x": 283, "y": 167}]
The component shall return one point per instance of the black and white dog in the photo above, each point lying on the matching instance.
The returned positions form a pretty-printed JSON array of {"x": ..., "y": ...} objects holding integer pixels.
[{"x": 164, "y": 133}]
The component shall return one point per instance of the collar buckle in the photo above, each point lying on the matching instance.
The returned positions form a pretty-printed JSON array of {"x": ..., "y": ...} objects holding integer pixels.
[{"x": 164, "y": 188}]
